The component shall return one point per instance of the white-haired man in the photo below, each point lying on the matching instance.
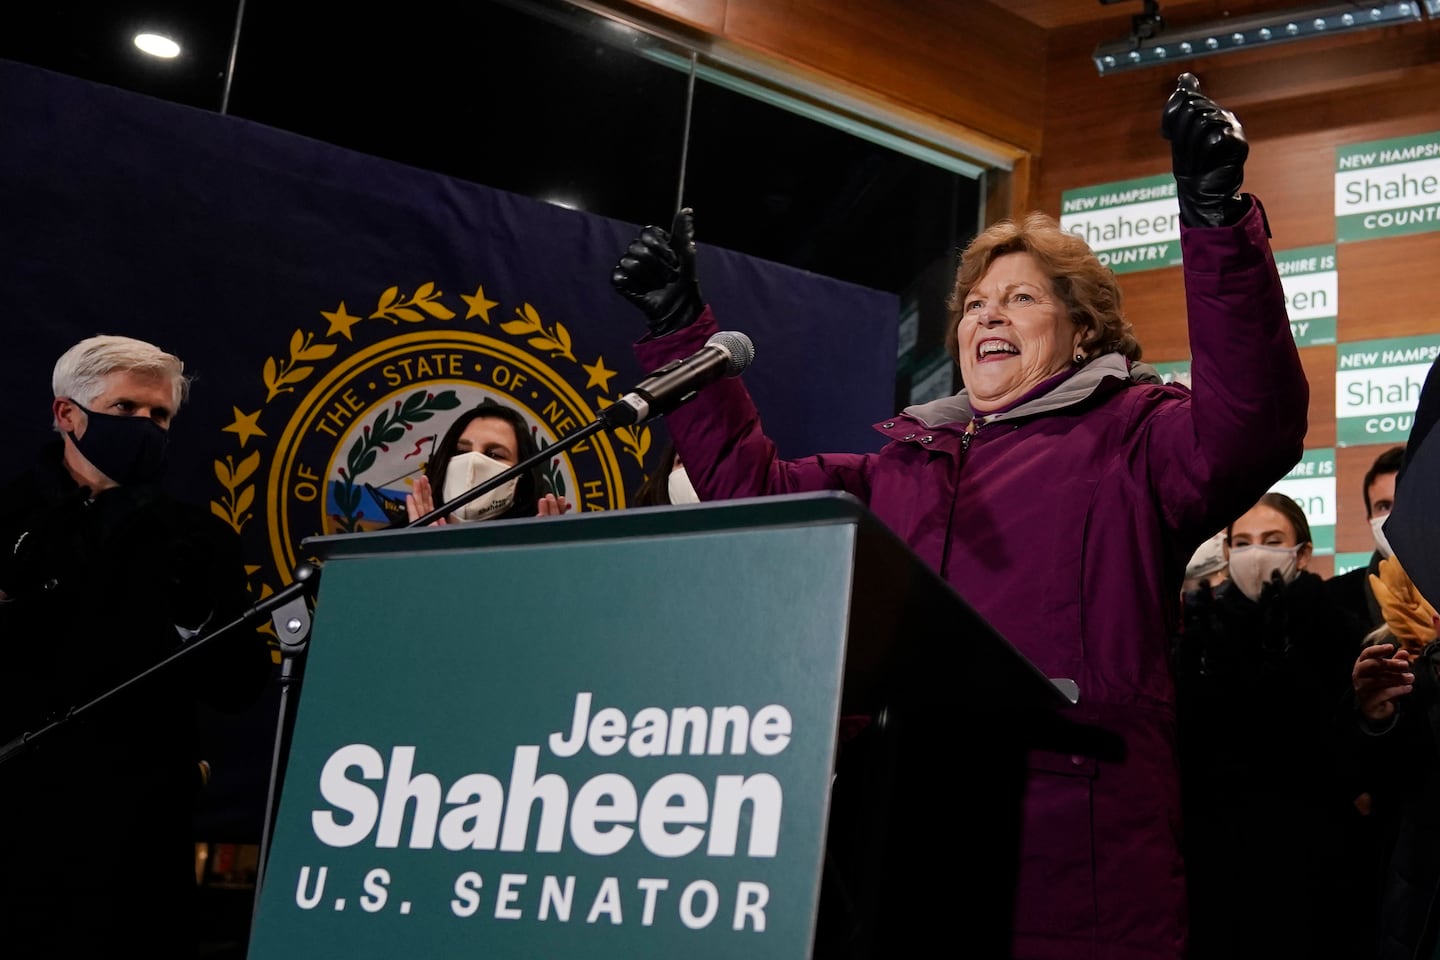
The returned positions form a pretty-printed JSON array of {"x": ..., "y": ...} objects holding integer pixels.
[{"x": 102, "y": 576}]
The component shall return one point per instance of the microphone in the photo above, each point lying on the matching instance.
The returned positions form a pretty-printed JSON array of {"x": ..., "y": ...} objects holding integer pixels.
[{"x": 725, "y": 354}]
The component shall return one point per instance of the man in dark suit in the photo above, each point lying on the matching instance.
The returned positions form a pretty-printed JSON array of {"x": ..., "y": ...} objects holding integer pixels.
[{"x": 103, "y": 575}]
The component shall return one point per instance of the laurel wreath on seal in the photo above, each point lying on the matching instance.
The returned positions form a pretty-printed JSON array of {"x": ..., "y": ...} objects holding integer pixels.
[
  {"x": 635, "y": 440},
  {"x": 234, "y": 508},
  {"x": 426, "y": 298},
  {"x": 556, "y": 341},
  {"x": 283, "y": 374}
]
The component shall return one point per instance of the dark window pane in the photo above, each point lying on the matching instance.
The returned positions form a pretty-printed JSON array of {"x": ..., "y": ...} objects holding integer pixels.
[
  {"x": 93, "y": 39},
  {"x": 791, "y": 189}
]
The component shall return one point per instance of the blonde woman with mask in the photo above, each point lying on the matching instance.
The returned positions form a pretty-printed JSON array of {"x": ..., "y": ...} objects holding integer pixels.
[{"x": 1262, "y": 670}]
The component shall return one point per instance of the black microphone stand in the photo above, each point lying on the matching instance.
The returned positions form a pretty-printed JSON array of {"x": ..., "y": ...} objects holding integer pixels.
[
  {"x": 289, "y": 611},
  {"x": 284, "y": 599}
]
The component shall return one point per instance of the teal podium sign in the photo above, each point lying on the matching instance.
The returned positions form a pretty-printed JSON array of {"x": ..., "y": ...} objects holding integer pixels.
[{"x": 610, "y": 735}]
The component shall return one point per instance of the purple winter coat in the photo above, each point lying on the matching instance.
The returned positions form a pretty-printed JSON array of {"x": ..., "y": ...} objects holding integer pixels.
[{"x": 1066, "y": 522}]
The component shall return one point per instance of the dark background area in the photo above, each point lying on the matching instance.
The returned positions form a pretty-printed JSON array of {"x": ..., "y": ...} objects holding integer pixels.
[{"x": 545, "y": 101}]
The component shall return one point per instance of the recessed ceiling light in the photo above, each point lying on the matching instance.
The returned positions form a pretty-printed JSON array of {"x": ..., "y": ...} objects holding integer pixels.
[{"x": 157, "y": 45}]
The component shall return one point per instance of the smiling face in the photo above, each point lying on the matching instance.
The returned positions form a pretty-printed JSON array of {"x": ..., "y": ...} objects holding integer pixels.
[
  {"x": 1263, "y": 525},
  {"x": 1014, "y": 332}
]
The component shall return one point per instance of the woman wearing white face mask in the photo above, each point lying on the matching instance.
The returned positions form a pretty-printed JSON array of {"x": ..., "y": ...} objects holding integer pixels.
[
  {"x": 1262, "y": 669},
  {"x": 483, "y": 442},
  {"x": 1268, "y": 546}
]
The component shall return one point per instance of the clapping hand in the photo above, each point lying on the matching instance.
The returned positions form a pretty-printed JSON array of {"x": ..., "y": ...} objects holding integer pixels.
[
  {"x": 421, "y": 500},
  {"x": 552, "y": 505}
]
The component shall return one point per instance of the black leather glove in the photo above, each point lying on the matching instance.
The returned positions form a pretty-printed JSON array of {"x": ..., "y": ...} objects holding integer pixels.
[
  {"x": 657, "y": 274},
  {"x": 1207, "y": 151}
]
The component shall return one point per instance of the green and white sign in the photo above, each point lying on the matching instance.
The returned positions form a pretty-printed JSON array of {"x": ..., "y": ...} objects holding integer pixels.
[
  {"x": 1377, "y": 387},
  {"x": 1174, "y": 371},
  {"x": 1387, "y": 188},
  {"x": 1130, "y": 224},
  {"x": 500, "y": 754},
  {"x": 1311, "y": 484},
  {"x": 1345, "y": 562},
  {"x": 1311, "y": 287}
]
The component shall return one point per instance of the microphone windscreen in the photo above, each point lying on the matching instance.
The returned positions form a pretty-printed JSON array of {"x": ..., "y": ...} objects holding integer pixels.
[{"x": 737, "y": 346}]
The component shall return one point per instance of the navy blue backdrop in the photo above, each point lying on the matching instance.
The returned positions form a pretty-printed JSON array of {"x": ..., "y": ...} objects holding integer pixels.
[{"x": 336, "y": 309}]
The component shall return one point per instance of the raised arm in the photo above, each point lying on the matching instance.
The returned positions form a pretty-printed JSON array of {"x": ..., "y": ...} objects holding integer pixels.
[
  {"x": 1244, "y": 425},
  {"x": 719, "y": 435}
]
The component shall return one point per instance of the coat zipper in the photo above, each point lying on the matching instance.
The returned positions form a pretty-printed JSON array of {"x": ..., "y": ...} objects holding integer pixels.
[
  {"x": 966, "y": 437},
  {"x": 955, "y": 492}
]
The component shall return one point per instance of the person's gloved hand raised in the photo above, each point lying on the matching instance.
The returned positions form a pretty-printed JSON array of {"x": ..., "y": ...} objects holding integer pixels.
[
  {"x": 657, "y": 274},
  {"x": 1207, "y": 151}
]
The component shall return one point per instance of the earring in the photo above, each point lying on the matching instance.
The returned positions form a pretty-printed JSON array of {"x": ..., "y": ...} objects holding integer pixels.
[{"x": 1079, "y": 358}]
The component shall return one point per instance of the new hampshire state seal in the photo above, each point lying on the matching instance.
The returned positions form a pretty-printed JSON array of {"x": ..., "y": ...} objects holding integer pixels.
[{"x": 353, "y": 409}]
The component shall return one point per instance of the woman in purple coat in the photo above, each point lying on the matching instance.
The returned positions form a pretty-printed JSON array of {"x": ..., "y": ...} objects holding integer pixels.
[{"x": 1060, "y": 492}]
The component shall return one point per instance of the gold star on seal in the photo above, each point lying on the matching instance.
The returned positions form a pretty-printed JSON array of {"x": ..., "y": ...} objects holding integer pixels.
[
  {"x": 479, "y": 306},
  {"x": 340, "y": 321},
  {"x": 599, "y": 375},
  {"x": 246, "y": 425}
]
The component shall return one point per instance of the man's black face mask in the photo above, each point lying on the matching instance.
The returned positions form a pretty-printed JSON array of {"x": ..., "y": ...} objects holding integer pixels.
[{"x": 128, "y": 450}]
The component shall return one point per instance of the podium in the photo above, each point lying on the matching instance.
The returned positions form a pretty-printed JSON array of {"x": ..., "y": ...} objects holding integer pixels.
[{"x": 759, "y": 728}]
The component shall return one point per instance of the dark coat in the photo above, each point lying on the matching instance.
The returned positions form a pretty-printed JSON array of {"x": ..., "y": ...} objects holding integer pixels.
[
  {"x": 1261, "y": 691},
  {"x": 96, "y": 846},
  {"x": 1351, "y": 594},
  {"x": 1405, "y": 761},
  {"x": 1066, "y": 523}
]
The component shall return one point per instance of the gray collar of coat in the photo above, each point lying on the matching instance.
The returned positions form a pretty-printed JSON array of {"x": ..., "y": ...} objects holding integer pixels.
[{"x": 1071, "y": 391}]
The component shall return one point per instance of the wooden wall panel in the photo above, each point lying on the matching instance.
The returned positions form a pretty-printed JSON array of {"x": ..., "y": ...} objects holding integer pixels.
[
  {"x": 1154, "y": 303},
  {"x": 706, "y": 15},
  {"x": 972, "y": 64},
  {"x": 1319, "y": 364},
  {"x": 1389, "y": 287}
]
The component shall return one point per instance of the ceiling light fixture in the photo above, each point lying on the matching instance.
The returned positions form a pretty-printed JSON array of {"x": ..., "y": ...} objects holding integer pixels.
[
  {"x": 1150, "y": 43},
  {"x": 157, "y": 45}
]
